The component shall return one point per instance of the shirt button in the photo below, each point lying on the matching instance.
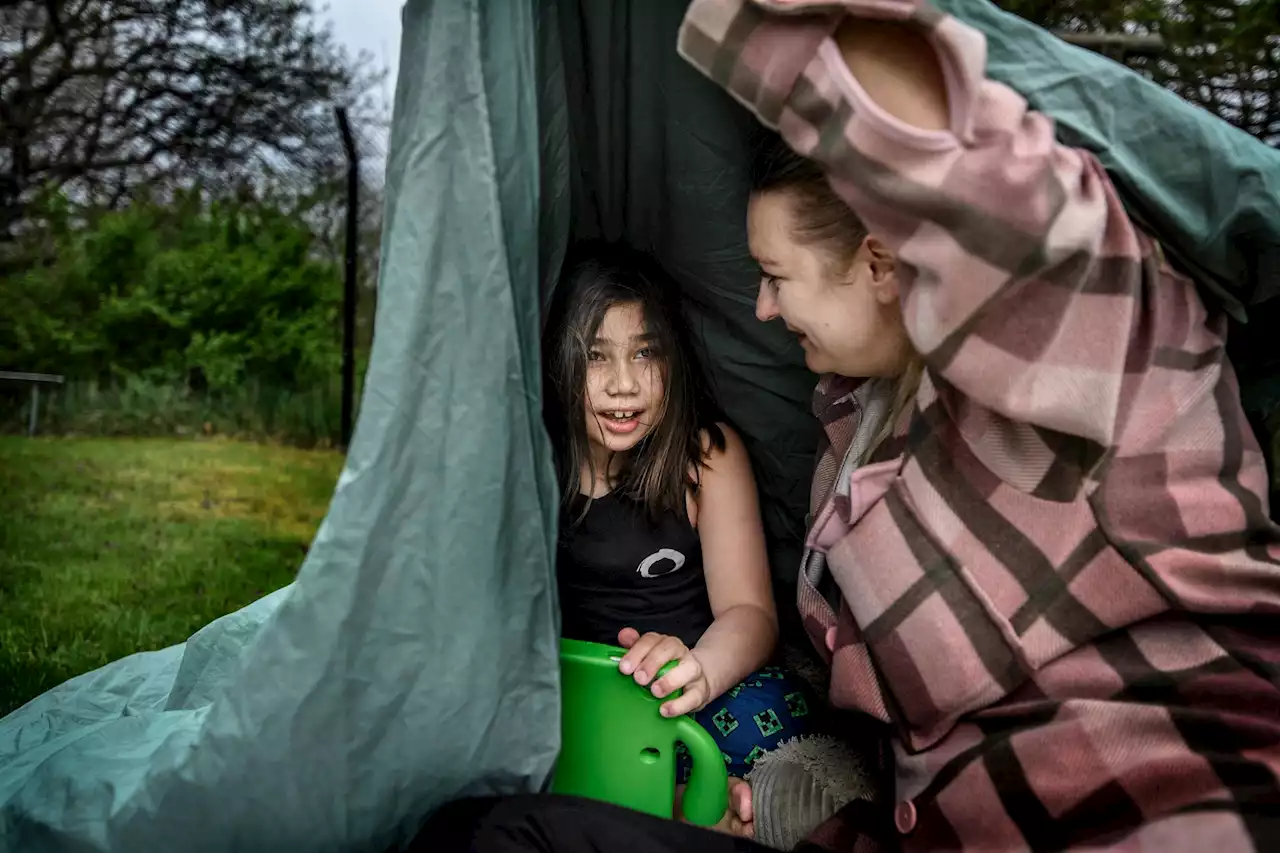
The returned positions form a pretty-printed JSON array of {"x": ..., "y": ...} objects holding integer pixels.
[
  {"x": 904, "y": 816},
  {"x": 831, "y": 639}
]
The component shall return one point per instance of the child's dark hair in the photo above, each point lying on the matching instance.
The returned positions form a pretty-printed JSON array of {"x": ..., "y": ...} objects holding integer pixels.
[{"x": 660, "y": 471}]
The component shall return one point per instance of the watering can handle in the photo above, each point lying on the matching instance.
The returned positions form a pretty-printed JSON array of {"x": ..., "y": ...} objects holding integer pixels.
[{"x": 706, "y": 798}]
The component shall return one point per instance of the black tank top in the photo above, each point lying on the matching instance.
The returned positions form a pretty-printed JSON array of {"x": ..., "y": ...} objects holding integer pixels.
[{"x": 618, "y": 568}]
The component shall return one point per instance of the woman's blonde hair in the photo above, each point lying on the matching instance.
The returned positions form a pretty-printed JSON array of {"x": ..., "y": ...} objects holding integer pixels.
[
  {"x": 904, "y": 394},
  {"x": 823, "y": 220}
]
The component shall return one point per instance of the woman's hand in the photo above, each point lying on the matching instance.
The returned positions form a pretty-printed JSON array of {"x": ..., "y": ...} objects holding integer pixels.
[{"x": 650, "y": 653}]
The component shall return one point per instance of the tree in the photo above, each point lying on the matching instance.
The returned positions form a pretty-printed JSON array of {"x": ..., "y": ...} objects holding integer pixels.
[
  {"x": 1222, "y": 55},
  {"x": 101, "y": 97}
]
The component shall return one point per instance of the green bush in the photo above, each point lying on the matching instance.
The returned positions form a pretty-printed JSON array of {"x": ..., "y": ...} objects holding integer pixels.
[
  {"x": 209, "y": 294},
  {"x": 167, "y": 317}
]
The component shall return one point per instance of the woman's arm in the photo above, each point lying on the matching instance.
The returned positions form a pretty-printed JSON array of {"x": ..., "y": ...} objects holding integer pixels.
[
  {"x": 898, "y": 69},
  {"x": 1023, "y": 279}
]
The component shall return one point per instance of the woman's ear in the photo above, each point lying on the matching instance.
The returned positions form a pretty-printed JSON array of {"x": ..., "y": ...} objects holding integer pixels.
[{"x": 884, "y": 270}]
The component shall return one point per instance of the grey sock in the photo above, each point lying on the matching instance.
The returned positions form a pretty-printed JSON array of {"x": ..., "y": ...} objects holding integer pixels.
[{"x": 797, "y": 786}]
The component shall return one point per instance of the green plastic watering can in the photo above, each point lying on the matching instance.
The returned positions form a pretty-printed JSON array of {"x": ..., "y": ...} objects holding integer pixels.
[{"x": 617, "y": 747}]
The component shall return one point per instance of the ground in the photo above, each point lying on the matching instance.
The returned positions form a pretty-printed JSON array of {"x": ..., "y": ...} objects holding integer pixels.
[{"x": 110, "y": 546}]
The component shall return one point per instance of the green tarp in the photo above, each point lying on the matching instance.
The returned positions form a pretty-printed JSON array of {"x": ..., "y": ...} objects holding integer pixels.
[
  {"x": 414, "y": 657},
  {"x": 413, "y": 660}
]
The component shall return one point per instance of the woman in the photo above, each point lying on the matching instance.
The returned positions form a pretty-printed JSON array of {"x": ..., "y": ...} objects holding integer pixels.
[{"x": 1051, "y": 567}]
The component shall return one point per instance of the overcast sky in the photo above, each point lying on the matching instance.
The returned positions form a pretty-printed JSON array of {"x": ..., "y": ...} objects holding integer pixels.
[{"x": 369, "y": 25}]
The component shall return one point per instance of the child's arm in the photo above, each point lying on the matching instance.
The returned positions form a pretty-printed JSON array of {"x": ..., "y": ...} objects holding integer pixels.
[{"x": 736, "y": 565}]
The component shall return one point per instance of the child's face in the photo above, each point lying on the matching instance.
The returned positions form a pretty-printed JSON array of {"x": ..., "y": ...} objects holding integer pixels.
[{"x": 624, "y": 398}]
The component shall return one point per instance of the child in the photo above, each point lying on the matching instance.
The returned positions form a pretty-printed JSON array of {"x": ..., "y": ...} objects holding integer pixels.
[{"x": 661, "y": 548}]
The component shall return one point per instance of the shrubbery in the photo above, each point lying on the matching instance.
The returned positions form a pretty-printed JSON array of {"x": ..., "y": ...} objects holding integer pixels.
[{"x": 177, "y": 316}]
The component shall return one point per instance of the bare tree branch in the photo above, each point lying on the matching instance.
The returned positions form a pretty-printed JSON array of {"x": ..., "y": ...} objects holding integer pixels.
[
  {"x": 1123, "y": 41},
  {"x": 101, "y": 96},
  {"x": 1222, "y": 55}
]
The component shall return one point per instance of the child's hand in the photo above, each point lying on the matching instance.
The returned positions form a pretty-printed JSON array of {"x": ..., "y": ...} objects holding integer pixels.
[{"x": 650, "y": 653}]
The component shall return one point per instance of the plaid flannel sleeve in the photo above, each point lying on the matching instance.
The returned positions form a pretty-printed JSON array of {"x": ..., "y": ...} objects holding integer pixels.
[
  {"x": 1084, "y": 481},
  {"x": 1023, "y": 276}
]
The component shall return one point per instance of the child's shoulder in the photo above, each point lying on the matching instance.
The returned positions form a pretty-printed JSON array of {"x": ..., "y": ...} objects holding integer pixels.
[
  {"x": 725, "y": 468},
  {"x": 721, "y": 441}
]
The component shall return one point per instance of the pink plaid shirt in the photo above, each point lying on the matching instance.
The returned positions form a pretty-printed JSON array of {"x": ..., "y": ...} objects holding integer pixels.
[{"x": 1058, "y": 583}]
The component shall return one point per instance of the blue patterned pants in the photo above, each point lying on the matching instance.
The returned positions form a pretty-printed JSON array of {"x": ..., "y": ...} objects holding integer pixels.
[{"x": 765, "y": 709}]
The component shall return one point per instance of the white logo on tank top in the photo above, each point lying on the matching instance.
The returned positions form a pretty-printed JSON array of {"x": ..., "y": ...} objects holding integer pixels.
[{"x": 647, "y": 566}]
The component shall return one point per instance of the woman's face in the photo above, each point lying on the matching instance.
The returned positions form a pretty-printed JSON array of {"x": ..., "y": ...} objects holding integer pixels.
[
  {"x": 849, "y": 322},
  {"x": 624, "y": 398}
]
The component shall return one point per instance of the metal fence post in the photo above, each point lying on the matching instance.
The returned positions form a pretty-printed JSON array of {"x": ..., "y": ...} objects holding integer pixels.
[
  {"x": 349, "y": 293},
  {"x": 35, "y": 380},
  {"x": 33, "y": 420}
]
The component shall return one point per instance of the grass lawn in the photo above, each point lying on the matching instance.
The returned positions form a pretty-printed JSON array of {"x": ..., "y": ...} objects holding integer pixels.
[{"x": 114, "y": 546}]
